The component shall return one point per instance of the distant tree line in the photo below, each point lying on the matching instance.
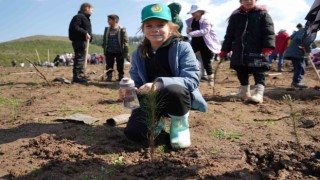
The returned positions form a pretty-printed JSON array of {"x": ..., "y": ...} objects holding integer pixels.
[{"x": 98, "y": 39}]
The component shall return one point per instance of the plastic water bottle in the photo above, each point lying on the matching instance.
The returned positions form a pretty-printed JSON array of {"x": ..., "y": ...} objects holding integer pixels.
[{"x": 130, "y": 100}]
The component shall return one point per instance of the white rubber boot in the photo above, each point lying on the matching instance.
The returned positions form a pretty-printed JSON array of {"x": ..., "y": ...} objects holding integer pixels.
[
  {"x": 257, "y": 97},
  {"x": 179, "y": 131},
  {"x": 244, "y": 93}
]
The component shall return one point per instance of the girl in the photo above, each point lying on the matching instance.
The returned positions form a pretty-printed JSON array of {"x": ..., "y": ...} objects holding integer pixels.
[
  {"x": 204, "y": 38},
  {"x": 250, "y": 36},
  {"x": 168, "y": 63}
]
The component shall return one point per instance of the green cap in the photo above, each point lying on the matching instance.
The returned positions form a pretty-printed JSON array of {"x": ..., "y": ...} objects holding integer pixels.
[{"x": 159, "y": 11}]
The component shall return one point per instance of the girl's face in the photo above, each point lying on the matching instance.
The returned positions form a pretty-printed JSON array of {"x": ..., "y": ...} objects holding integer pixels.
[
  {"x": 197, "y": 15},
  {"x": 248, "y": 3},
  {"x": 157, "y": 31}
]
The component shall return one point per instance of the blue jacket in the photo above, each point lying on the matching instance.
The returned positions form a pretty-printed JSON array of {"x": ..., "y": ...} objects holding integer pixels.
[
  {"x": 294, "y": 50},
  {"x": 184, "y": 66}
]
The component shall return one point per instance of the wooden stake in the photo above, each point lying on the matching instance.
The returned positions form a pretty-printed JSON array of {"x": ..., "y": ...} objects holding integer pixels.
[
  {"x": 48, "y": 56},
  {"x": 38, "y": 57},
  {"x": 86, "y": 57},
  {"x": 314, "y": 68},
  {"x": 41, "y": 75}
]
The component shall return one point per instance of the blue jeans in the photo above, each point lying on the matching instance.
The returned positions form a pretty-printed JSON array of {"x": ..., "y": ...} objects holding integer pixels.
[
  {"x": 298, "y": 69},
  {"x": 273, "y": 56}
]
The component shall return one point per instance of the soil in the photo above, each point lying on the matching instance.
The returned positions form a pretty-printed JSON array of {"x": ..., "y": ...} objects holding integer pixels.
[{"x": 234, "y": 140}]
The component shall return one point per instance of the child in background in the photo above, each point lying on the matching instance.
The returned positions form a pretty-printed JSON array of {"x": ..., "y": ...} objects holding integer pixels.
[
  {"x": 296, "y": 52},
  {"x": 250, "y": 32},
  {"x": 115, "y": 46},
  {"x": 282, "y": 39},
  {"x": 168, "y": 64},
  {"x": 204, "y": 38}
]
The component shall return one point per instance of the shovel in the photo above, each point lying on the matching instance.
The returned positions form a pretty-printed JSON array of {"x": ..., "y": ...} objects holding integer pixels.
[{"x": 86, "y": 57}]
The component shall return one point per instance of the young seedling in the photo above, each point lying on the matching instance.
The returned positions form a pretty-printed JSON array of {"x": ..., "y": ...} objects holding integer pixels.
[
  {"x": 150, "y": 107},
  {"x": 293, "y": 116}
]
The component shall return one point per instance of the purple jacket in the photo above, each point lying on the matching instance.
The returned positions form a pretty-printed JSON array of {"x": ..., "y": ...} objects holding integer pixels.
[{"x": 209, "y": 35}]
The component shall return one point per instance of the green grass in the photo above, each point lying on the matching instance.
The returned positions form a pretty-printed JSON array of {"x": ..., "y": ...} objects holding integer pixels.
[
  {"x": 223, "y": 134},
  {"x": 6, "y": 102}
]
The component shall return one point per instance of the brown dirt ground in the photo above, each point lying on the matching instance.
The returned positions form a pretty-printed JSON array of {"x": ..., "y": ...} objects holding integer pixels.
[{"x": 233, "y": 140}]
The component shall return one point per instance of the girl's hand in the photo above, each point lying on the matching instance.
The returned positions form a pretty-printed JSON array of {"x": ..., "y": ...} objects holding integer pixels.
[
  {"x": 148, "y": 87},
  {"x": 145, "y": 88}
]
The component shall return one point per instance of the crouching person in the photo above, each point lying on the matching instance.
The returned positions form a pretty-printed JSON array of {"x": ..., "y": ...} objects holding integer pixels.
[{"x": 168, "y": 63}]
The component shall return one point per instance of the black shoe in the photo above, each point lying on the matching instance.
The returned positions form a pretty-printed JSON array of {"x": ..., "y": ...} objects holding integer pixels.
[
  {"x": 109, "y": 79},
  {"x": 205, "y": 78},
  {"x": 80, "y": 80},
  {"x": 299, "y": 85}
]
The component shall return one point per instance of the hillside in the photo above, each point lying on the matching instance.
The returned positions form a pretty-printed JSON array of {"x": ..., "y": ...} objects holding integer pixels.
[
  {"x": 26, "y": 48},
  {"x": 42, "y": 37}
]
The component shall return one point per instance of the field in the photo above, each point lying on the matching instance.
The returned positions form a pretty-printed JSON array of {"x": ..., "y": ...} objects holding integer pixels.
[{"x": 233, "y": 140}]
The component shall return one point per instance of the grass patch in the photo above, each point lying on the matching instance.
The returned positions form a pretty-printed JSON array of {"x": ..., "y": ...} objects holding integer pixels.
[
  {"x": 268, "y": 122},
  {"x": 223, "y": 134}
]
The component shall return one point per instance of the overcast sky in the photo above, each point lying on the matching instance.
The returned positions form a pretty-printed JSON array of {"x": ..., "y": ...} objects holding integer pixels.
[{"x": 22, "y": 18}]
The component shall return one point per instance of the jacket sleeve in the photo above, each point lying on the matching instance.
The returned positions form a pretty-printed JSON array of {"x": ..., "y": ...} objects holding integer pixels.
[
  {"x": 268, "y": 32},
  {"x": 134, "y": 70},
  {"x": 187, "y": 71},
  {"x": 205, "y": 29},
  {"x": 125, "y": 43},
  {"x": 77, "y": 21},
  {"x": 104, "y": 43},
  {"x": 229, "y": 37}
]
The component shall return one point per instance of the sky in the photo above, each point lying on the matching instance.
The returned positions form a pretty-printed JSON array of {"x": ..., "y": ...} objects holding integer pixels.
[{"x": 22, "y": 18}]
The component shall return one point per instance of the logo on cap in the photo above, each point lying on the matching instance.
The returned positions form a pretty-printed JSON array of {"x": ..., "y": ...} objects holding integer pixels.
[{"x": 156, "y": 8}]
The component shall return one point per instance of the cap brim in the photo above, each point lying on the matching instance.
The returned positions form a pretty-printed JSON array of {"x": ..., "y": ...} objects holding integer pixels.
[
  {"x": 193, "y": 11},
  {"x": 154, "y": 17}
]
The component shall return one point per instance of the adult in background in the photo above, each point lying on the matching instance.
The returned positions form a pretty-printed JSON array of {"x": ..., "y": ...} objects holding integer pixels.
[
  {"x": 175, "y": 9},
  {"x": 115, "y": 46},
  {"x": 282, "y": 40},
  {"x": 249, "y": 34},
  {"x": 79, "y": 32},
  {"x": 204, "y": 38}
]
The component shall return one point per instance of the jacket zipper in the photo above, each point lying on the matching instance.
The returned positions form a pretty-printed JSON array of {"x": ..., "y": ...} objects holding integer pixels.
[{"x": 242, "y": 38}]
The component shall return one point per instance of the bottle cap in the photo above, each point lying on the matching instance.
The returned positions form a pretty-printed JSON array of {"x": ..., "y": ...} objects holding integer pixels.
[{"x": 126, "y": 82}]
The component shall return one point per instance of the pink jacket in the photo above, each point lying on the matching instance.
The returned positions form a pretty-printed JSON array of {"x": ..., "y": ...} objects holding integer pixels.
[{"x": 209, "y": 35}]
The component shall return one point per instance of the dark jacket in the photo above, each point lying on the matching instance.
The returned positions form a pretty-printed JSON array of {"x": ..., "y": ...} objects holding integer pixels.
[
  {"x": 175, "y": 9},
  {"x": 248, "y": 32},
  {"x": 79, "y": 26},
  {"x": 123, "y": 39},
  {"x": 294, "y": 50}
]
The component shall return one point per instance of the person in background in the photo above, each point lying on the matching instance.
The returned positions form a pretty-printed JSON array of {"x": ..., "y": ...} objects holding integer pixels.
[
  {"x": 282, "y": 40},
  {"x": 115, "y": 46},
  {"x": 204, "y": 38},
  {"x": 79, "y": 32},
  {"x": 250, "y": 32},
  {"x": 175, "y": 9},
  {"x": 165, "y": 63},
  {"x": 297, "y": 53}
]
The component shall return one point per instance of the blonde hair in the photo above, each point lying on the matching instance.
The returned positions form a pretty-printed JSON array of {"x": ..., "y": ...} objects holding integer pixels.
[{"x": 145, "y": 45}]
